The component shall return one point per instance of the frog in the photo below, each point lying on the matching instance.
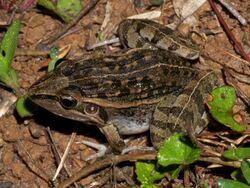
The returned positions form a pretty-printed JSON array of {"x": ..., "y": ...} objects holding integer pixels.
[{"x": 151, "y": 86}]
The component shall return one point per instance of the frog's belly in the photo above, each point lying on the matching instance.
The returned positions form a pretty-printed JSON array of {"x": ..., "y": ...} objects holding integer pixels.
[
  {"x": 131, "y": 125},
  {"x": 132, "y": 120}
]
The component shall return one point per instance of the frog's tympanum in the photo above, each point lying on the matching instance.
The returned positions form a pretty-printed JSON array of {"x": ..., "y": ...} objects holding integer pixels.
[{"x": 155, "y": 89}]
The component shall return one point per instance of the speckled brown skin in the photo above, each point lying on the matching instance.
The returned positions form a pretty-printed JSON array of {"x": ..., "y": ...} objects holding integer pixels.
[
  {"x": 183, "y": 113},
  {"x": 137, "y": 33},
  {"x": 130, "y": 92}
]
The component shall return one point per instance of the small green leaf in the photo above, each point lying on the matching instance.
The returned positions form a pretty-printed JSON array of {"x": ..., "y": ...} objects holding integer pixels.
[
  {"x": 7, "y": 52},
  {"x": 24, "y": 107},
  {"x": 178, "y": 149},
  {"x": 221, "y": 107},
  {"x": 65, "y": 9},
  {"x": 9, "y": 43},
  {"x": 237, "y": 175},
  {"x": 68, "y": 9},
  {"x": 245, "y": 168},
  {"x": 176, "y": 172},
  {"x": 54, "y": 59},
  {"x": 53, "y": 53},
  {"x": 146, "y": 172},
  {"x": 224, "y": 98},
  {"x": 237, "y": 153},
  {"x": 226, "y": 183},
  {"x": 47, "y": 4}
]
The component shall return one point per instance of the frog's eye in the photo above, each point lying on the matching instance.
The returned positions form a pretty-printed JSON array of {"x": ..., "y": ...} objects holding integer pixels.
[
  {"x": 68, "y": 102},
  {"x": 91, "y": 109}
]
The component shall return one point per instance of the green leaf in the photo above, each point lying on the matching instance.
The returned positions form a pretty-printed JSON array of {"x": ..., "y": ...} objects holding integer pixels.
[
  {"x": 237, "y": 175},
  {"x": 237, "y": 153},
  {"x": 245, "y": 168},
  {"x": 54, "y": 57},
  {"x": 7, "y": 52},
  {"x": 68, "y": 9},
  {"x": 53, "y": 53},
  {"x": 226, "y": 183},
  {"x": 47, "y": 4},
  {"x": 176, "y": 172},
  {"x": 65, "y": 9},
  {"x": 24, "y": 106},
  {"x": 178, "y": 149},
  {"x": 146, "y": 172},
  {"x": 221, "y": 107}
]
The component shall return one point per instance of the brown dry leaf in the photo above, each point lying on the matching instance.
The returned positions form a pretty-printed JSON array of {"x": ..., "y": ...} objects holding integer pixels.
[{"x": 185, "y": 8}]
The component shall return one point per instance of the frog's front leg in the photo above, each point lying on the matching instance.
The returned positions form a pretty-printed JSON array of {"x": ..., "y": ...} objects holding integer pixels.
[
  {"x": 113, "y": 137},
  {"x": 183, "y": 112},
  {"x": 127, "y": 121}
]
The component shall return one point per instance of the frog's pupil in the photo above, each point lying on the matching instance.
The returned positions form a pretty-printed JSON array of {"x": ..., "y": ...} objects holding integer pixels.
[{"x": 68, "y": 102}]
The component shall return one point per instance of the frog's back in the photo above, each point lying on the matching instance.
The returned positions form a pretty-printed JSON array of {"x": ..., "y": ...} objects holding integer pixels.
[{"x": 136, "y": 75}]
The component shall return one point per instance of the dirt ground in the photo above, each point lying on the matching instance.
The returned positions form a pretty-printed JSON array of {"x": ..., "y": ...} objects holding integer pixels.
[{"x": 25, "y": 141}]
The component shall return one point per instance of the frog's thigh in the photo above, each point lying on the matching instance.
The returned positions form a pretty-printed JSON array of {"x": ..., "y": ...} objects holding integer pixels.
[{"x": 176, "y": 114}]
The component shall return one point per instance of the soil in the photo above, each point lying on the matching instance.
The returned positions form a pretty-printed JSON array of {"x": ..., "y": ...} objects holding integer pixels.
[{"x": 27, "y": 158}]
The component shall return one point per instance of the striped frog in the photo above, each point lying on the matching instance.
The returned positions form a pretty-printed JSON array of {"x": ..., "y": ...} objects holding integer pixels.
[{"x": 154, "y": 88}]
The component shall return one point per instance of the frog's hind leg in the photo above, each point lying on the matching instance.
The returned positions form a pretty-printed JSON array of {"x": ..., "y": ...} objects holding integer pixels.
[{"x": 183, "y": 113}]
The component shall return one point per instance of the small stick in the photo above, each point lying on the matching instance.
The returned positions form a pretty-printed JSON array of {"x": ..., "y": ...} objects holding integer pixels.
[
  {"x": 233, "y": 11},
  {"x": 103, "y": 43},
  {"x": 57, "y": 153},
  {"x": 72, "y": 23},
  {"x": 65, "y": 154},
  {"x": 105, "y": 163},
  {"x": 108, "y": 161},
  {"x": 228, "y": 32},
  {"x": 216, "y": 160},
  {"x": 186, "y": 177}
]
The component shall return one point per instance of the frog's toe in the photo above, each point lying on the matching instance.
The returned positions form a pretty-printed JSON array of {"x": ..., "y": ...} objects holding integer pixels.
[
  {"x": 137, "y": 148},
  {"x": 101, "y": 149}
]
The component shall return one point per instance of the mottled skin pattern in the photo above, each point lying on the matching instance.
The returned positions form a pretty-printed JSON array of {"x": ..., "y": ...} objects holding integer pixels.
[
  {"x": 136, "y": 33},
  {"x": 184, "y": 113},
  {"x": 133, "y": 91}
]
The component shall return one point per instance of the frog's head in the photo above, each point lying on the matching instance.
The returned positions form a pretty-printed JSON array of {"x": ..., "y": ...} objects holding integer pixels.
[{"x": 57, "y": 93}]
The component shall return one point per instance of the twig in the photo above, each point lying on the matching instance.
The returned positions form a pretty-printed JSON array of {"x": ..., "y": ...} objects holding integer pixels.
[
  {"x": 105, "y": 163},
  {"x": 72, "y": 23},
  {"x": 113, "y": 160},
  {"x": 186, "y": 177},
  {"x": 228, "y": 32},
  {"x": 66, "y": 152},
  {"x": 57, "y": 153},
  {"x": 233, "y": 11},
  {"x": 103, "y": 43},
  {"x": 108, "y": 11},
  {"x": 216, "y": 160},
  {"x": 209, "y": 141}
]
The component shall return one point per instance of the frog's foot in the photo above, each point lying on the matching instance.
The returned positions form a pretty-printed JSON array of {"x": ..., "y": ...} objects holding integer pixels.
[
  {"x": 101, "y": 149},
  {"x": 136, "y": 148}
]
